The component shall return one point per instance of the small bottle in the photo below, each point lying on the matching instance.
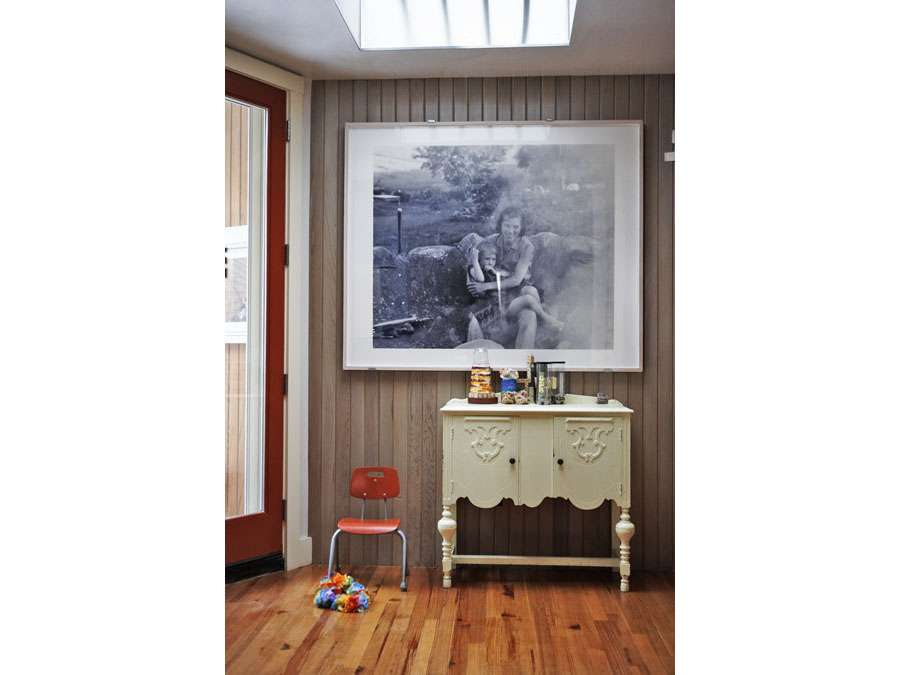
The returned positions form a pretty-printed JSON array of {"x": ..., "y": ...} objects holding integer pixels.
[{"x": 529, "y": 365}]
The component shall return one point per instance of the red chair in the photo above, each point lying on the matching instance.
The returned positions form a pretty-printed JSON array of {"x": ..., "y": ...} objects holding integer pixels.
[{"x": 371, "y": 482}]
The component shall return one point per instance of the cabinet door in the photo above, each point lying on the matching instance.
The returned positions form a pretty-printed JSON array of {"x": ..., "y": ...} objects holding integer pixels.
[
  {"x": 481, "y": 449},
  {"x": 535, "y": 459},
  {"x": 594, "y": 460}
]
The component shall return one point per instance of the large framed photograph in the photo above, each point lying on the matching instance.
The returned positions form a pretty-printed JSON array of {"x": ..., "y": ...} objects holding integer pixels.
[{"x": 521, "y": 237}]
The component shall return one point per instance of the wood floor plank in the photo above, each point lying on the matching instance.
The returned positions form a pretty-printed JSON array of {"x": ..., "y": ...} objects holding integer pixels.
[
  {"x": 495, "y": 619},
  {"x": 353, "y": 652},
  {"x": 440, "y": 657},
  {"x": 394, "y": 651},
  {"x": 423, "y": 647},
  {"x": 415, "y": 616}
]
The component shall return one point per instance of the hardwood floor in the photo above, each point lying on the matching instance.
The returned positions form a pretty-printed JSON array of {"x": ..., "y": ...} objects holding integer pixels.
[{"x": 494, "y": 619}]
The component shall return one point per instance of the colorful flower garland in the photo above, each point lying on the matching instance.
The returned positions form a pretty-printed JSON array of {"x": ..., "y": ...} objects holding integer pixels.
[{"x": 341, "y": 593}]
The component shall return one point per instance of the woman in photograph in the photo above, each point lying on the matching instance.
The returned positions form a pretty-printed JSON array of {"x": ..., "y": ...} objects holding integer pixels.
[{"x": 509, "y": 255}]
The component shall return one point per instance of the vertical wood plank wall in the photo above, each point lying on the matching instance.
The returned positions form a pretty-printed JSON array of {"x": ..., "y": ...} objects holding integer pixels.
[
  {"x": 237, "y": 209},
  {"x": 392, "y": 418}
]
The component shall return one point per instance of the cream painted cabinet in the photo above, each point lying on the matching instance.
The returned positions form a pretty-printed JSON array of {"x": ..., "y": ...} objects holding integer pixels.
[
  {"x": 485, "y": 452},
  {"x": 579, "y": 451},
  {"x": 590, "y": 457}
]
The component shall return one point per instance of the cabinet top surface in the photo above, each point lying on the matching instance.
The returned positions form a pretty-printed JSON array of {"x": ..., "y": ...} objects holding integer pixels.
[{"x": 575, "y": 404}]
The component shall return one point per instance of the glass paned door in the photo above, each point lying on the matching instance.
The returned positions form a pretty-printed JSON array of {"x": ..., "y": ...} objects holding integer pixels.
[
  {"x": 245, "y": 264},
  {"x": 253, "y": 336}
]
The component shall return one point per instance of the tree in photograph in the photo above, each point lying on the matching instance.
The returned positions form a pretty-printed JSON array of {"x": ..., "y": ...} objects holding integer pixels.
[
  {"x": 556, "y": 166},
  {"x": 472, "y": 169}
]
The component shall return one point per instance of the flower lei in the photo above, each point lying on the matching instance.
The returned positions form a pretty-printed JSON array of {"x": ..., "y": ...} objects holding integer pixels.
[{"x": 341, "y": 593}]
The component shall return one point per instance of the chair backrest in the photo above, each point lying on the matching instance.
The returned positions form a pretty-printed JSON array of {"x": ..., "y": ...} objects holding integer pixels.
[{"x": 375, "y": 482}]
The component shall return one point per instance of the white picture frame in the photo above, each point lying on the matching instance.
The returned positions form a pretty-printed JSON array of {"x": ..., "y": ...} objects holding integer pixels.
[{"x": 578, "y": 189}]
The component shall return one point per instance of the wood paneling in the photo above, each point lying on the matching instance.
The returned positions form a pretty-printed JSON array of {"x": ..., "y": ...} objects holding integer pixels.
[
  {"x": 235, "y": 427},
  {"x": 237, "y": 148},
  {"x": 331, "y": 302},
  {"x": 370, "y": 417},
  {"x": 237, "y": 199},
  {"x": 320, "y": 526}
]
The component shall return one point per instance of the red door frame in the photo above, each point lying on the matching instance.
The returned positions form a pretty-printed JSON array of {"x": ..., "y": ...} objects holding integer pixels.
[{"x": 260, "y": 534}]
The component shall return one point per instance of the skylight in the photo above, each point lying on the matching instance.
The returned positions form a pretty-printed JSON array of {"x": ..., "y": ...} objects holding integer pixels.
[{"x": 443, "y": 24}]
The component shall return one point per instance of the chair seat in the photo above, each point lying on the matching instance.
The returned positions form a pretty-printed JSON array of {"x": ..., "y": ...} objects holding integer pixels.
[{"x": 368, "y": 526}]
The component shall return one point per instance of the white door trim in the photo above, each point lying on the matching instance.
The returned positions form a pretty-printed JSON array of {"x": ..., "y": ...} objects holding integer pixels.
[{"x": 296, "y": 540}]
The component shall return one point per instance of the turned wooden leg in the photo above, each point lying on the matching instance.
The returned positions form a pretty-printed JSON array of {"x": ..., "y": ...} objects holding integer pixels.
[
  {"x": 625, "y": 531},
  {"x": 447, "y": 528},
  {"x": 453, "y": 541}
]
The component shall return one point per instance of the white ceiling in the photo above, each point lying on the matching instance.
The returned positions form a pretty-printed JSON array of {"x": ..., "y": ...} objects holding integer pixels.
[{"x": 609, "y": 37}]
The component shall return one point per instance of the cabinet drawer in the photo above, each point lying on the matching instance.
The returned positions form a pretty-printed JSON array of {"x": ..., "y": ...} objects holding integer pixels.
[
  {"x": 481, "y": 448},
  {"x": 594, "y": 460}
]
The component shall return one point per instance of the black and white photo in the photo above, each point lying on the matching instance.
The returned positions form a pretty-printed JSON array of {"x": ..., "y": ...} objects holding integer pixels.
[{"x": 523, "y": 238}]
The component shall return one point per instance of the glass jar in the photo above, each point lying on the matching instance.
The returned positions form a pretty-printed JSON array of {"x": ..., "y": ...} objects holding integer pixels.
[
  {"x": 557, "y": 382},
  {"x": 480, "y": 378}
]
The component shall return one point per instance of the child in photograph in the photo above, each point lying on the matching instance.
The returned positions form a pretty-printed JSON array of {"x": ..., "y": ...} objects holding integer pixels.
[
  {"x": 491, "y": 314},
  {"x": 482, "y": 268}
]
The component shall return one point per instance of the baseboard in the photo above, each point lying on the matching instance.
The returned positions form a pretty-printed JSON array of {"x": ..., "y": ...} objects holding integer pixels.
[
  {"x": 264, "y": 564},
  {"x": 299, "y": 553}
]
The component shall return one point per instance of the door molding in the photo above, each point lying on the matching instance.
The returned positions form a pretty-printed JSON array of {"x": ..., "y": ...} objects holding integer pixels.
[{"x": 297, "y": 545}]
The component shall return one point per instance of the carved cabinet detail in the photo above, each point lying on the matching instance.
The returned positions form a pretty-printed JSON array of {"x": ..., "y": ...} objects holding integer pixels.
[
  {"x": 592, "y": 467},
  {"x": 482, "y": 447}
]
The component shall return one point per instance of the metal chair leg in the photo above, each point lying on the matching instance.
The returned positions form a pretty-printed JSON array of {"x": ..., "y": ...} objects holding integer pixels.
[
  {"x": 333, "y": 547},
  {"x": 337, "y": 555},
  {"x": 403, "y": 572}
]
